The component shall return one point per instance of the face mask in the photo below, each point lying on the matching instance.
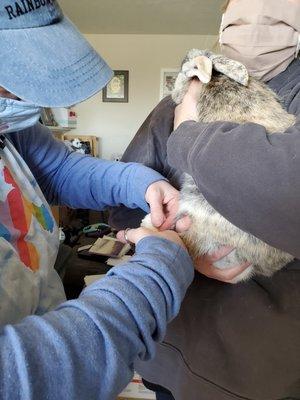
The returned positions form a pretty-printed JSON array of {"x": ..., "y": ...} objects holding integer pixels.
[
  {"x": 17, "y": 115},
  {"x": 262, "y": 34}
]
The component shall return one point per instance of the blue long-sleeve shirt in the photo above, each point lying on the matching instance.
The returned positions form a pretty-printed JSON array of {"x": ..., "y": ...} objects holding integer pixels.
[
  {"x": 33, "y": 165},
  {"x": 85, "y": 349}
]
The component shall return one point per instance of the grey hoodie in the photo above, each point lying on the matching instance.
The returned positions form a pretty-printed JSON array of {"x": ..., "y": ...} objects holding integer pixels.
[{"x": 240, "y": 341}]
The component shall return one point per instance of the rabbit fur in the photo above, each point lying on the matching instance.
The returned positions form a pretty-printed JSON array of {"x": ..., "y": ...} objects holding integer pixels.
[{"x": 227, "y": 94}]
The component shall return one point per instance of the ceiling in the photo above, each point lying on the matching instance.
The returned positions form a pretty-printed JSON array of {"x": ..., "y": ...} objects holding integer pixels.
[{"x": 181, "y": 17}]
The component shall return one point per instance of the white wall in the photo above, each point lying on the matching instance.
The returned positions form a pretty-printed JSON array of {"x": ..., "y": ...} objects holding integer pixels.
[{"x": 144, "y": 56}]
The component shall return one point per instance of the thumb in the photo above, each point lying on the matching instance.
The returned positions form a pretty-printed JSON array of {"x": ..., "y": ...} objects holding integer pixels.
[{"x": 183, "y": 224}]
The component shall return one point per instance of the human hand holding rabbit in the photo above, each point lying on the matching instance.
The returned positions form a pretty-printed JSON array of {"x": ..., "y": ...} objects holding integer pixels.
[{"x": 187, "y": 110}]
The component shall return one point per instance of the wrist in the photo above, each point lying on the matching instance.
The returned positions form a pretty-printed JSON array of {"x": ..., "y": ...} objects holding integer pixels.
[
  {"x": 173, "y": 254},
  {"x": 142, "y": 178}
]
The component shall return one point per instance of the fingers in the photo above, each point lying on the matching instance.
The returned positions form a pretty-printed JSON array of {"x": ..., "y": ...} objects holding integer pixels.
[
  {"x": 121, "y": 236},
  {"x": 183, "y": 224},
  {"x": 156, "y": 210},
  {"x": 228, "y": 275},
  {"x": 180, "y": 226},
  {"x": 163, "y": 201},
  {"x": 134, "y": 235},
  {"x": 168, "y": 224},
  {"x": 220, "y": 253}
]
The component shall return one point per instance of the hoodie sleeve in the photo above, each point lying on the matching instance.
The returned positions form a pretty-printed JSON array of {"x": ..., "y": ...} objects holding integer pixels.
[
  {"x": 86, "y": 348},
  {"x": 248, "y": 176}
]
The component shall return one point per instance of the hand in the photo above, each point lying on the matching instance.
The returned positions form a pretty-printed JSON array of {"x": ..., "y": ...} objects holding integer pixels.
[
  {"x": 205, "y": 265},
  {"x": 187, "y": 110},
  {"x": 163, "y": 200},
  {"x": 135, "y": 235}
]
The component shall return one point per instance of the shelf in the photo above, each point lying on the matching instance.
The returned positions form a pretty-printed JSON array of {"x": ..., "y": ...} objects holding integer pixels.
[{"x": 59, "y": 129}]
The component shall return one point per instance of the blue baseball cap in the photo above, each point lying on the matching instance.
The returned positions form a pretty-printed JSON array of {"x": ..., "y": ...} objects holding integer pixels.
[{"x": 44, "y": 59}]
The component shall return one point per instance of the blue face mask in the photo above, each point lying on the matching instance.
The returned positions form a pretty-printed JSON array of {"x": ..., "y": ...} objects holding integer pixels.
[{"x": 16, "y": 115}]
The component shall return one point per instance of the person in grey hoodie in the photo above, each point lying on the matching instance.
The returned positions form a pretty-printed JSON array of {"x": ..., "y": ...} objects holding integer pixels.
[{"x": 235, "y": 341}]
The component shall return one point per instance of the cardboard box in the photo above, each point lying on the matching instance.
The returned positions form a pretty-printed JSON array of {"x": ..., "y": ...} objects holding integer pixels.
[
  {"x": 65, "y": 117},
  {"x": 136, "y": 390}
]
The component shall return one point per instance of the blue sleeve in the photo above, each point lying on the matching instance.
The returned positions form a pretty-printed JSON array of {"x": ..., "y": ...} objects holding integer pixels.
[
  {"x": 80, "y": 181},
  {"x": 86, "y": 348}
]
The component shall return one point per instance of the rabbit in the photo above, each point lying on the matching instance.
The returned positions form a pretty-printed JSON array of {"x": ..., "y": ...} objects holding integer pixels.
[{"x": 227, "y": 94}]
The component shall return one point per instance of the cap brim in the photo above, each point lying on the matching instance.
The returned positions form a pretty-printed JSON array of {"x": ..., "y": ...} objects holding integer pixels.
[{"x": 51, "y": 66}]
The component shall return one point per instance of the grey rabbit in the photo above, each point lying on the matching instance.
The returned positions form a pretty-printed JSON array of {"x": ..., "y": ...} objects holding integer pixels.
[{"x": 227, "y": 94}]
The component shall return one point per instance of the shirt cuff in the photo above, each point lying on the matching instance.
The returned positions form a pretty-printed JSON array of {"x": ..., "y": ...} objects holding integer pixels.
[
  {"x": 176, "y": 257},
  {"x": 141, "y": 178}
]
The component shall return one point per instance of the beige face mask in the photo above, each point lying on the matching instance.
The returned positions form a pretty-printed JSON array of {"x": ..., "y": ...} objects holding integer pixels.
[{"x": 264, "y": 35}]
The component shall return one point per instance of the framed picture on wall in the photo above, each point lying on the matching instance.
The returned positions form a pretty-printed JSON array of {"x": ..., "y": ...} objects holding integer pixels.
[
  {"x": 117, "y": 89},
  {"x": 167, "y": 81}
]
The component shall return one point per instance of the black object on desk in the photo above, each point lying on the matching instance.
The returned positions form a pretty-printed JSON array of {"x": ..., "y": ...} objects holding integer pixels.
[{"x": 77, "y": 268}]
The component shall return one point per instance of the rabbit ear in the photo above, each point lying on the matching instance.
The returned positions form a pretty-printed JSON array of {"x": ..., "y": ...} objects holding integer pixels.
[
  {"x": 202, "y": 69},
  {"x": 231, "y": 68}
]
